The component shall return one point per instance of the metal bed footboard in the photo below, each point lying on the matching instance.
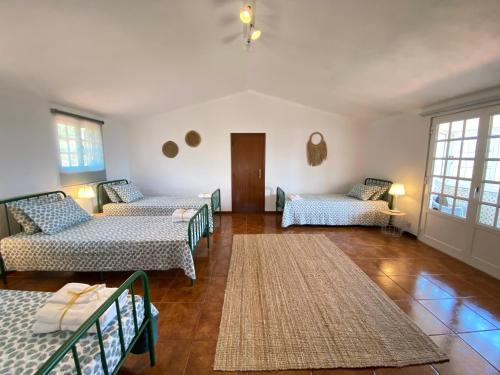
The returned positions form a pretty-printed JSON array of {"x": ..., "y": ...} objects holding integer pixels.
[
  {"x": 29, "y": 197},
  {"x": 215, "y": 202},
  {"x": 198, "y": 227},
  {"x": 146, "y": 328},
  {"x": 101, "y": 193},
  {"x": 280, "y": 199}
]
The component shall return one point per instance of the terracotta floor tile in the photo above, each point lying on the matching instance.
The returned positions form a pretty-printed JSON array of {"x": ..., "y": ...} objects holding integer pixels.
[
  {"x": 457, "y": 286},
  {"x": 182, "y": 291},
  {"x": 419, "y": 287},
  {"x": 343, "y": 372},
  {"x": 201, "y": 359},
  {"x": 486, "y": 343},
  {"x": 390, "y": 288},
  {"x": 369, "y": 266},
  {"x": 423, "y": 318},
  {"x": 463, "y": 359},
  {"x": 487, "y": 307},
  {"x": 208, "y": 325},
  {"x": 456, "y": 315},
  {"x": 178, "y": 320},
  {"x": 408, "y": 370}
]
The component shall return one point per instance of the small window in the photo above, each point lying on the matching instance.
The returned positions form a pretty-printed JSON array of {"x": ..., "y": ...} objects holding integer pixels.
[{"x": 81, "y": 154}]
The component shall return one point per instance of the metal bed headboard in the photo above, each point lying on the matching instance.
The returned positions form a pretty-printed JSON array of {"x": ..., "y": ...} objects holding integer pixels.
[
  {"x": 102, "y": 196},
  {"x": 280, "y": 199},
  {"x": 9, "y": 221},
  {"x": 215, "y": 202},
  {"x": 382, "y": 183}
]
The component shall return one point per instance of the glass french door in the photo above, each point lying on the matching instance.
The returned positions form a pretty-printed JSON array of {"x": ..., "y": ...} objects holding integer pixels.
[{"x": 462, "y": 207}]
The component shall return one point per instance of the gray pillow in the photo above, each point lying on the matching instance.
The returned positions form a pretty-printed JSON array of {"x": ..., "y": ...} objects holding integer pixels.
[
  {"x": 363, "y": 192},
  {"x": 380, "y": 193},
  {"x": 57, "y": 216},
  {"x": 17, "y": 209},
  {"x": 110, "y": 191},
  {"x": 128, "y": 193}
]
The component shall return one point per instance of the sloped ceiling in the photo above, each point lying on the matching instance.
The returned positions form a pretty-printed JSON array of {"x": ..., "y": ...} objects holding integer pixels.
[{"x": 361, "y": 58}]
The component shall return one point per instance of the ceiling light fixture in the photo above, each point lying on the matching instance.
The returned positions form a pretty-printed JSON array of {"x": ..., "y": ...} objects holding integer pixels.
[
  {"x": 256, "y": 33},
  {"x": 246, "y": 14}
]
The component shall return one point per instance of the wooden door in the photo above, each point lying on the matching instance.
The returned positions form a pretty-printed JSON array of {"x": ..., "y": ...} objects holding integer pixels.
[{"x": 248, "y": 159}]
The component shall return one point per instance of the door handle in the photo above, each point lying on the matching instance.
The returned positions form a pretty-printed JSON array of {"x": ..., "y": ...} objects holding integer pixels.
[{"x": 260, "y": 174}]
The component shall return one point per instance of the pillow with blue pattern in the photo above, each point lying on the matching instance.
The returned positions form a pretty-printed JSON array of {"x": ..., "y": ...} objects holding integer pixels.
[
  {"x": 363, "y": 192},
  {"x": 17, "y": 209},
  {"x": 128, "y": 193},
  {"x": 57, "y": 216},
  {"x": 110, "y": 191}
]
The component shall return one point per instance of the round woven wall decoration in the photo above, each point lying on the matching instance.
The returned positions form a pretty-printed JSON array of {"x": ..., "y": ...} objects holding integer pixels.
[
  {"x": 193, "y": 138},
  {"x": 170, "y": 149},
  {"x": 316, "y": 152}
]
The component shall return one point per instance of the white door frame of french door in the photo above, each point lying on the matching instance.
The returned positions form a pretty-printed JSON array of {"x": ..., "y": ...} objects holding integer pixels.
[{"x": 454, "y": 235}]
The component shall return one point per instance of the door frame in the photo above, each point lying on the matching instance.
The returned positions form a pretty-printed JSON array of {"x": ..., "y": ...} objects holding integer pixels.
[{"x": 263, "y": 173}]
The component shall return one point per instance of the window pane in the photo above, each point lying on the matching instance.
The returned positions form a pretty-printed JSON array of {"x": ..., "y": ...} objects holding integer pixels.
[
  {"x": 63, "y": 146},
  {"x": 73, "y": 160},
  {"x": 438, "y": 167},
  {"x": 487, "y": 215},
  {"x": 61, "y": 130},
  {"x": 494, "y": 148},
  {"x": 64, "y": 160},
  {"x": 495, "y": 125},
  {"x": 449, "y": 186},
  {"x": 451, "y": 168},
  {"x": 72, "y": 132},
  {"x": 460, "y": 209},
  {"x": 490, "y": 193},
  {"x": 498, "y": 222},
  {"x": 72, "y": 146},
  {"x": 469, "y": 148},
  {"x": 471, "y": 127},
  {"x": 434, "y": 202},
  {"x": 437, "y": 184},
  {"x": 457, "y": 128},
  {"x": 446, "y": 205},
  {"x": 443, "y": 130},
  {"x": 463, "y": 189},
  {"x": 440, "y": 149},
  {"x": 466, "y": 168},
  {"x": 454, "y": 149},
  {"x": 493, "y": 171}
]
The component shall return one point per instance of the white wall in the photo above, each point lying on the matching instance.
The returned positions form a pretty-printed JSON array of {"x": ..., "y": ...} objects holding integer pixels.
[
  {"x": 287, "y": 126},
  {"x": 28, "y": 148},
  {"x": 397, "y": 150}
]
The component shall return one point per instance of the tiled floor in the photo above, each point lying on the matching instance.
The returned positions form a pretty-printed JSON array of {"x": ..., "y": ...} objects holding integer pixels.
[{"x": 454, "y": 303}]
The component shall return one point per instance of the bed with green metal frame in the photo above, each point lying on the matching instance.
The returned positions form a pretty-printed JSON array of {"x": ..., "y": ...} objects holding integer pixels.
[
  {"x": 110, "y": 243},
  {"x": 334, "y": 209},
  {"x": 133, "y": 330},
  {"x": 153, "y": 205}
]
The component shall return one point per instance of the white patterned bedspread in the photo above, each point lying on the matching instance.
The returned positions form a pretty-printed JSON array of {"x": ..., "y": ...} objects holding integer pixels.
[
  {"x": 107, "y": 243},
  {"x": 22, "y": 352},
  {"x": 157, "y": 206},
  {"x": 333, "y": 209}
]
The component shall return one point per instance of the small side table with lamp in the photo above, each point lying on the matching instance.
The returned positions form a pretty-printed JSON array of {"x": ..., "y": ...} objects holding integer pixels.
[
  {"x": 392, "y": 228},
  {"x": 86, "y": 195}
]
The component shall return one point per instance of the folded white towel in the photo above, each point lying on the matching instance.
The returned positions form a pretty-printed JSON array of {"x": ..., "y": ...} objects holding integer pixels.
[
  {"x": 182, "y": 214},
  {"x": 295, "y": 197},
  {"x": 205, "y": 195},
  {"x": 67, "y": 292},
  {"x": 54, "y": 317}
]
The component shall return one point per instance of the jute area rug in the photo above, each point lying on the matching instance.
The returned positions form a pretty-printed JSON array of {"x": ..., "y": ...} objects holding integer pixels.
[{"x": 296, "y": 301}]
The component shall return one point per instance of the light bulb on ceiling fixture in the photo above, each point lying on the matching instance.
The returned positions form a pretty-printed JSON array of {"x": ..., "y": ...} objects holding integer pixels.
[
  {"x": 256, "y": 33},
  {"x": 246, "y": 14}
]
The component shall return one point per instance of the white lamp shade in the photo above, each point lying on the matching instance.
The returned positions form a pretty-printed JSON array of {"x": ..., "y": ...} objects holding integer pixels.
[
  {"x": 86, "y": 192},
  {"x": 397, "y": 189}
]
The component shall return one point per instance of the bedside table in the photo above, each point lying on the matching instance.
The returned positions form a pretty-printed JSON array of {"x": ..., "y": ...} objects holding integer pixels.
[{"x": 392, "y": 229}]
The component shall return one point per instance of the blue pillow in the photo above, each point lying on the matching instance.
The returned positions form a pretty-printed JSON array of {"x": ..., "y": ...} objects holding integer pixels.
[
  {"x": 128, "y": 193},
  {"x": 57, "y": 216}
]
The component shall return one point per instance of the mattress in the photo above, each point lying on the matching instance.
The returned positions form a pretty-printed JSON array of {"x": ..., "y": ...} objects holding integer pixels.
[
  {"x": 333, "y": 209},
  {"x": 108, "y": 243},
  {"x": 22, "y": 352},
  {"x": 157, "y": 206}
]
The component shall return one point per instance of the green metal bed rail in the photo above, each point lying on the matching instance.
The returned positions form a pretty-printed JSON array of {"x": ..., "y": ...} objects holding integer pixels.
[
  {"x": 4, "y": 202},
  {"x": 280, "y": 199},
  {"x": 382, "y": 183},
  {"x": 215, "y": 202},
  {"x": 101, "y": 194},
  {"x": 198, "y": 227},
  {"x": 146, "y": 327}
]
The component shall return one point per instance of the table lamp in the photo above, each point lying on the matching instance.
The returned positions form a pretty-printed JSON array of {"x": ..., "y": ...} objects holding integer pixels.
[
  {"x": 396, "y": 190},
  {"x": 86, "y": 192}
]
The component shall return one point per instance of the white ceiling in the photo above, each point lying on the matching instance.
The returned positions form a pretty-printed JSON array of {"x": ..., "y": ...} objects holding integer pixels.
[{"x": 363, "y": 58}]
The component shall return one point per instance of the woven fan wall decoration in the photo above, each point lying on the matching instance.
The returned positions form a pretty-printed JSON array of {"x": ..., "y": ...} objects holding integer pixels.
[
  {"x": 193, "y": 138},
  {"x": 170, "y": 149},
  {"x": 316, "y": 153}
]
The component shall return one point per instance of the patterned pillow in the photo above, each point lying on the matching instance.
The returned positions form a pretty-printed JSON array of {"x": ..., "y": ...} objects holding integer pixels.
[
  {"x": 17, "y": 209},
  {"x": 128, "y": 192},
  {"x": 110, "y": 191},
  {"x": 363, "y": 192},
  {"x": 382, "y": 190},
  {"x": 57, "y": 216}
]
